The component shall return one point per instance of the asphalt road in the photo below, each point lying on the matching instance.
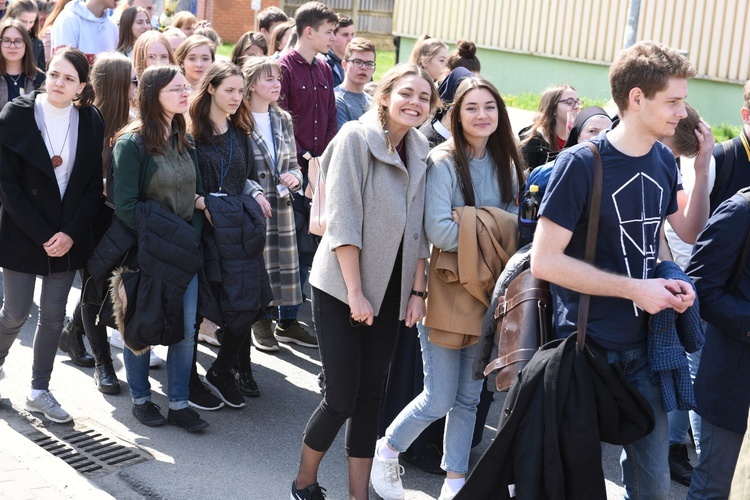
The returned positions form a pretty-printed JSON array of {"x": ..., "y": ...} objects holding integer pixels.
[{"x": 249, "y": 453}]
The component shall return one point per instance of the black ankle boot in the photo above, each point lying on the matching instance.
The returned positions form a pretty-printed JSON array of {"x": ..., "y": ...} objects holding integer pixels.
[
  {"x": 105, "y": 378},
  {"x": 71, "y": 342}
]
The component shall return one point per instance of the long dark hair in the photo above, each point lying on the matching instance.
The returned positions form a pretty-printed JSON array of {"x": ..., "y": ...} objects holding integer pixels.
[
  {"x": 111, "y": 80},
  {"x": 501, "y": 145},
  {"x": 81, "y": 64},
  {"x": 27, "y": 63},
  {"x": 127, "y": 20},
  {"x": 152, "y": 121},
  {"x": 201, "y": 126},
  {"x": 545, "y": 120}
]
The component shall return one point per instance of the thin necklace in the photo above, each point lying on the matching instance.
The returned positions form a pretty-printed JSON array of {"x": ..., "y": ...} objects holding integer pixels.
[
  {"x": 15, "y": 80},
  {"x": 57, "y": 159}
]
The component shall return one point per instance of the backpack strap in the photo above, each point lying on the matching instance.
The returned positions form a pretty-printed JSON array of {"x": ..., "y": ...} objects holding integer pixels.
[
  {"x": 723, "y": 169},
  {"x": 745, "y": 193},
  {"x": 591, "y": 236}
]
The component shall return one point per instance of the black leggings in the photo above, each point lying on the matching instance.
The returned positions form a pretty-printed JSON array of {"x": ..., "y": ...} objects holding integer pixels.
[{"x": 355, "y": 361}]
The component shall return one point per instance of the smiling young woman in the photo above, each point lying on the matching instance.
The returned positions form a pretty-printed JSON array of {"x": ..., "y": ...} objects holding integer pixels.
[
  {"x": 50, "y": 187},
  {"x": 368, "y": 272},
  {"x": 194, "y": 56},
  {"x": 134, "y": 22},
  {"x": 478, "y": 166}
]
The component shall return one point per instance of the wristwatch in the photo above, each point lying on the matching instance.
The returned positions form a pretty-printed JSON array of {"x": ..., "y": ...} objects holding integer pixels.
[{"x": 419, "y": 294}]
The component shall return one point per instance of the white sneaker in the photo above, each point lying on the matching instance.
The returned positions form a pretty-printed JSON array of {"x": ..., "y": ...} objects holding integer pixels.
[
  {"x": 47, "y": 404},
  {"x": 385, "y": 476},
  {"x": 115, "y": 339},
  {"x": 154, "y": 360},
  {"x": 446, "y": 494}
]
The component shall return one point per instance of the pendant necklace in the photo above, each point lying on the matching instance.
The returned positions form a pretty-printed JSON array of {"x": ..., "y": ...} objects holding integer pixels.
[
  {"x": 15, "y": 80},
  {"x": 56, "y": 159}
]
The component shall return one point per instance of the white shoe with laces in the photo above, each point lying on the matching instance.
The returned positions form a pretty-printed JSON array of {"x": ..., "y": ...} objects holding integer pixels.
[
  {"x": 385, "y": 476},
  {"x": 115, "y": 340}
]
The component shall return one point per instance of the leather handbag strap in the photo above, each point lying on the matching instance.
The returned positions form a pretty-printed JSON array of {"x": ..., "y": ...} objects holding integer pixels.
[
  {"x": 505, "y": 306},
  {"x": 591, "y": 235}
]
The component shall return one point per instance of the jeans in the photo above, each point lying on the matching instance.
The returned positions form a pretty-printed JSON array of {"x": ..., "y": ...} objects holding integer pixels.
[
  {"x": 645, "y": 463},
  {"x": 179, "y": 360},
  {"x": 712, "y": 477},
  {"x": 291, "y": 312},
  {"x": 448, "y": 390},
  {"x": 680, "y": 420},
  {"x": 18, "y": 298}
]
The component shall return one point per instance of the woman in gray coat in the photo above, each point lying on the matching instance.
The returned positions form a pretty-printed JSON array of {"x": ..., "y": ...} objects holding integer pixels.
[{"x": 369, "y": 270}]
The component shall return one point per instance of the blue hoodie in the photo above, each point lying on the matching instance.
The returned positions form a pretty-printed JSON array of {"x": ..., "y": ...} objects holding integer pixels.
[{"x": 77, "y": 27}]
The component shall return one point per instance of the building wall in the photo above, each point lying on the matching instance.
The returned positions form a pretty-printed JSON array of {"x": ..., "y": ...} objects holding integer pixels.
[
  {"x": 231, "y": 18},
  {"x": 526, "y": 45}
]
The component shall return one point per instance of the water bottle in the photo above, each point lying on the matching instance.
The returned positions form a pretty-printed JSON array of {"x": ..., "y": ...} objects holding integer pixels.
[{"x": 528, "y": 214}]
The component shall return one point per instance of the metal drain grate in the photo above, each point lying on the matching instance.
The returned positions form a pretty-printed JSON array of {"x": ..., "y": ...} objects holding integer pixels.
[{"x": 88, "y": 450}]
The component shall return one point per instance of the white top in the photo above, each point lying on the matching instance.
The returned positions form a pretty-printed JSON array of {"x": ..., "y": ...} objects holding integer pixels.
[
  {"x": 682, "y": 251},
  {"x": 263, "y": 126},
  {"x": 56, "y": 135}
]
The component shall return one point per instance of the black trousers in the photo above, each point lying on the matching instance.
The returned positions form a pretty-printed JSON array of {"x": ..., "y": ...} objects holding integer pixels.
[{"x": 355, "y": 361}]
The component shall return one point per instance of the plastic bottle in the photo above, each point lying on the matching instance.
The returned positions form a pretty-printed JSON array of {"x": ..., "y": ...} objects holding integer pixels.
[{"x": 528, "y": 215}]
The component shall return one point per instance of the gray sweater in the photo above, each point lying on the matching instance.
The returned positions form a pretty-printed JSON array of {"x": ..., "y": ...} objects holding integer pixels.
[{"x": 443, "y": 193}]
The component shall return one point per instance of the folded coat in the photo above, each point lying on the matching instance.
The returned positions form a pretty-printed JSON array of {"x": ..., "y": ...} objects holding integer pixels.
[
  {"x": 148, "y": 301},
  {"x": 235, "y": 286},
  {"x": 460, "y": 283}
]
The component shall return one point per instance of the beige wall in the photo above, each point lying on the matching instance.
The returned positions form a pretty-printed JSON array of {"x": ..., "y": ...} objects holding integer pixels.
[{"x": 716, "y": 33}]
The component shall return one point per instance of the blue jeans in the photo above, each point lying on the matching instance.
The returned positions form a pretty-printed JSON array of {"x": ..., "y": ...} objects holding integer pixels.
[
  {"x": 680, "y": 420},
  {"x": 291, "y": 312},
  {"x": 645, "y": 463},
  {"x": 712, "y": 477},
  {"x": 448, "y": 390},
  {"x": 179, "y": 360}
]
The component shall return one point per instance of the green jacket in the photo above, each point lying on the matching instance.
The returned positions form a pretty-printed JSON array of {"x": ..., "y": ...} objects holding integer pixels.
[{"x": 133, "y": 170}]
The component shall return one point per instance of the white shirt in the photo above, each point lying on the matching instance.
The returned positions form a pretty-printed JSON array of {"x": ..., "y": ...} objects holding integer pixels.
[
  {"x": 56, "y": 135},
  {"x": 263, "y": 126}
]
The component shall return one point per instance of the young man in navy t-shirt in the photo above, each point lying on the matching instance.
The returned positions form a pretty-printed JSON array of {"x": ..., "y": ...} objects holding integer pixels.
[{"x": 640, "y": 189}]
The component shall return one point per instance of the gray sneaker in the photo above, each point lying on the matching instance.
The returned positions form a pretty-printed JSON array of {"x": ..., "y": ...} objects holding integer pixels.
[
  {"x": 263, "y": 336},
  {"x": 296, "y": 334},
  {"x": 47, "y": 404}
]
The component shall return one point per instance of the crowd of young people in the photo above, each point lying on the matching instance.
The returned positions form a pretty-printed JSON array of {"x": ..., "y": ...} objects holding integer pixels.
[{"x": 158, "y": 137}]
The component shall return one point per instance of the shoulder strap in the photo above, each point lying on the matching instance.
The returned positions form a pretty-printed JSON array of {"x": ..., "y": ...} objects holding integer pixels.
[
  {"x": 745, "y": 249},
  {"x": 724, "y": 169},
  {"x": 591, "y": 235}
]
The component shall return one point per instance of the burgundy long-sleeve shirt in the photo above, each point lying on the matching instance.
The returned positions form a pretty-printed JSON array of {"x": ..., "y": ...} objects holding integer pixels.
[{"x": 307, "y": 94}]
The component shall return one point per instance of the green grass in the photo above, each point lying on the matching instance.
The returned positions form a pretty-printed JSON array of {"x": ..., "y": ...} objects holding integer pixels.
[
  {"x": 225, "y": 50},
  {"x": 385, "y": 59}
]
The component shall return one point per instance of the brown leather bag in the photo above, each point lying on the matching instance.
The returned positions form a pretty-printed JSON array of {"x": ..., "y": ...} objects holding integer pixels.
[
  {"x": 524, "y": 323},
  {"x": 524, "y": 312}
]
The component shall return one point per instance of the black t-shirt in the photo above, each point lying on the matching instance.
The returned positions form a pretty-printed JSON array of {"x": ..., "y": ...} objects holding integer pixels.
[
  {"x": 15, "y": 84},
  {"x": 638, "y": 193}
]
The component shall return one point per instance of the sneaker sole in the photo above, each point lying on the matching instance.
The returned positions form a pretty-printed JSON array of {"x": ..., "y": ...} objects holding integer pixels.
[
  {"x": 208, "y": 340},
  {"x": 219, "y": 395},
  {"x": 206, "y": 408},
  {"x": 48, "y": 417},
  {"x": 199, "y": 428},
  {"x": 266, "y": 348},
  {"x": 291, "y": 340}
]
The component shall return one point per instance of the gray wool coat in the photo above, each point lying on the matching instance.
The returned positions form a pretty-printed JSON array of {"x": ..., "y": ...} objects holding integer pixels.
[{"x": 372, "y": 202}]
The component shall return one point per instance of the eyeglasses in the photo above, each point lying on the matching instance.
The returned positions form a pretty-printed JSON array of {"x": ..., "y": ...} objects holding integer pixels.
[
  {"x": 179, "y": 90},
  {"x": 134, "y": 81},
  {"x": 572, "y": 102},
  {"x": 8, "y": 42},
  {"x": 359, "y": 63}
]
